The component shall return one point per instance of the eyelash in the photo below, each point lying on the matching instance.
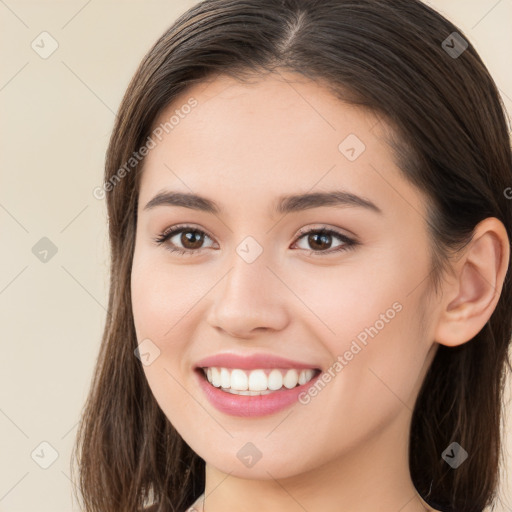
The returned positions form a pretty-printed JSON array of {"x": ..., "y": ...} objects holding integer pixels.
[{"x": 166, "y": 235}]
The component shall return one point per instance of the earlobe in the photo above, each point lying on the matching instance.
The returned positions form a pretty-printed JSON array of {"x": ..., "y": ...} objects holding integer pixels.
[{"x": 479, "y": 274}]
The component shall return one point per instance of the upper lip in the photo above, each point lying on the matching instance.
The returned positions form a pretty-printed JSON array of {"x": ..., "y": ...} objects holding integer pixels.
[{"x": 251, "y": 362}]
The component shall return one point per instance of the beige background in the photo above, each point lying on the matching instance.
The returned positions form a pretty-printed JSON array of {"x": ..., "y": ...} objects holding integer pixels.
[{"x": 56, "y": 117}]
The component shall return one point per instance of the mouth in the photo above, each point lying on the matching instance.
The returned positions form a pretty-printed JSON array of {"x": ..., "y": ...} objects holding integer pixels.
[
  {"x": 251, "y": 385},
  {"x": 257, "y": 382},
  {"x": 257, "y": 398}
]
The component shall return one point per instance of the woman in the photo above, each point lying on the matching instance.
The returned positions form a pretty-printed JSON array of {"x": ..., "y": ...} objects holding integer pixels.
[{"x": 310, "y": 297}]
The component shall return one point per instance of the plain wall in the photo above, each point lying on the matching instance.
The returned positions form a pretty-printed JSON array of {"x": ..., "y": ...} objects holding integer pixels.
[{"x": 56, "y": 117}]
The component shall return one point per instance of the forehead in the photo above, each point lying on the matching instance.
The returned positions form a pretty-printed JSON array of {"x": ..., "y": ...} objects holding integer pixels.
[
  {"x": 274, "y": 113},
  {"x": 280, "y": 133}
]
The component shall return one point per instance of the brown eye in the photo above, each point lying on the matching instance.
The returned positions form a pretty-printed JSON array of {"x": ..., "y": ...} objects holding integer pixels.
[
  {"x": 191, "y": 239},
  {"x": 188, "y": 240},
  {"x": 320, "y": 240}
]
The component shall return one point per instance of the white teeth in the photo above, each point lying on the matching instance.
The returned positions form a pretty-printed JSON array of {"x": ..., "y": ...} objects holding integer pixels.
[
  {"x": 291, "y": 379},
  {"x": 256, "y": 382},
  {"x": 215, "y": 377},
  {"x": 239, "y": 381},
  {"x": 303, "y": 378},
  {"x": 247, "y": 393},
  {"x": 275, "y": 380},
  {"x": 225, "y": 378}
]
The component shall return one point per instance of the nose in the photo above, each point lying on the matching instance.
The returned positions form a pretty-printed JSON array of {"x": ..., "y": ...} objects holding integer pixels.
[{"x": 250, "y": 299}]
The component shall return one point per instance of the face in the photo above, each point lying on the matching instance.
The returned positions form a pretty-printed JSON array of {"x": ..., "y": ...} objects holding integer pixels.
[{"x": 335, "y": 285}]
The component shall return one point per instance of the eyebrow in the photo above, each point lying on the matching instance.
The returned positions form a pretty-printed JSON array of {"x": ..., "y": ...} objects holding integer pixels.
[{"x": 284, "y": 204}]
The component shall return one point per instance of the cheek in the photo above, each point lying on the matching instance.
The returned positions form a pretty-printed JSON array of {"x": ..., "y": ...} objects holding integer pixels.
[
  {"x": 368, "y": 317},
  {"x": 165, "y": 303},
  {"x": 160, "y": 302},
  {"x": 362, "y": 293},
  {"x": 162, "y": 296}
]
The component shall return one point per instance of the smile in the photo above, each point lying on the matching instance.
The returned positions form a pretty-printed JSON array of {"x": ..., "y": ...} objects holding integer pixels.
[
  {"x": 249, "y": 402},
  {"x": 257, "y": 382}
]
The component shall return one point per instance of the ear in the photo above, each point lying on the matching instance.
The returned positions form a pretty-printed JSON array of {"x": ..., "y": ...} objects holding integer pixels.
[{"x": 469, "y": 299}]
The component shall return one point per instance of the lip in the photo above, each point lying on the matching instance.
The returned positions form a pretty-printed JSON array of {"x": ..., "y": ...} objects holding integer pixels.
[
  {"x": 251, "y": 406},
  {"x": 252, "y": 362}
]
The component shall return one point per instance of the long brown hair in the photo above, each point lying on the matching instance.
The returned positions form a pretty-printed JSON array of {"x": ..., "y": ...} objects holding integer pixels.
[{"x": 396, "y": 59}]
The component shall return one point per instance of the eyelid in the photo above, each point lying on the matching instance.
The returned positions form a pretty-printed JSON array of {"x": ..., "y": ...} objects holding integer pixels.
[
  {"x": 178, "y": 227},
  {"x": 329, "y": 228}
]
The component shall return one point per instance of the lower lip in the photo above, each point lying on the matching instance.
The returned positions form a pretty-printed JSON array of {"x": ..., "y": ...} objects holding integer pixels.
[{"x": 248, "y": 406}]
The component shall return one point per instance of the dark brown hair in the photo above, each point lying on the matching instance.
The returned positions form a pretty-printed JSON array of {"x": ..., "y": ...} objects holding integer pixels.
[{"x": 452, "y": 143}]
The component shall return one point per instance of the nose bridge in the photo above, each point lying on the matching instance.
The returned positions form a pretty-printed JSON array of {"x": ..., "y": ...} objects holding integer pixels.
[
  {"x": 248, "y": 276},
  {"x": 249, "y": 297}
]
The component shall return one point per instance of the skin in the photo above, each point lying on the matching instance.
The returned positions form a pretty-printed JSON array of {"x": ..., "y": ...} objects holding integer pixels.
[{"x": 243, "y": 146}]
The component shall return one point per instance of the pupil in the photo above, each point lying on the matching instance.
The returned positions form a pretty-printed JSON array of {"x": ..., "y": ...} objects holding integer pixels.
[
  {"x": 191, "y": 237},
  {"x": 324, "y": 239}
]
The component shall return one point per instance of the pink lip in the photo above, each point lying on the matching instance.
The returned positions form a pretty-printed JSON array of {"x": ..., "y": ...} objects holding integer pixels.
[
  {"x": 252, "y": 362},
  {"x": 250, "y": 406}
]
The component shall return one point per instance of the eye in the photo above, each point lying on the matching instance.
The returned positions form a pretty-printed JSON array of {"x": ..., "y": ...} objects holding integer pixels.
[
  {"x": 321, "y": 239},
  {"x": 192, "y": 240}
]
